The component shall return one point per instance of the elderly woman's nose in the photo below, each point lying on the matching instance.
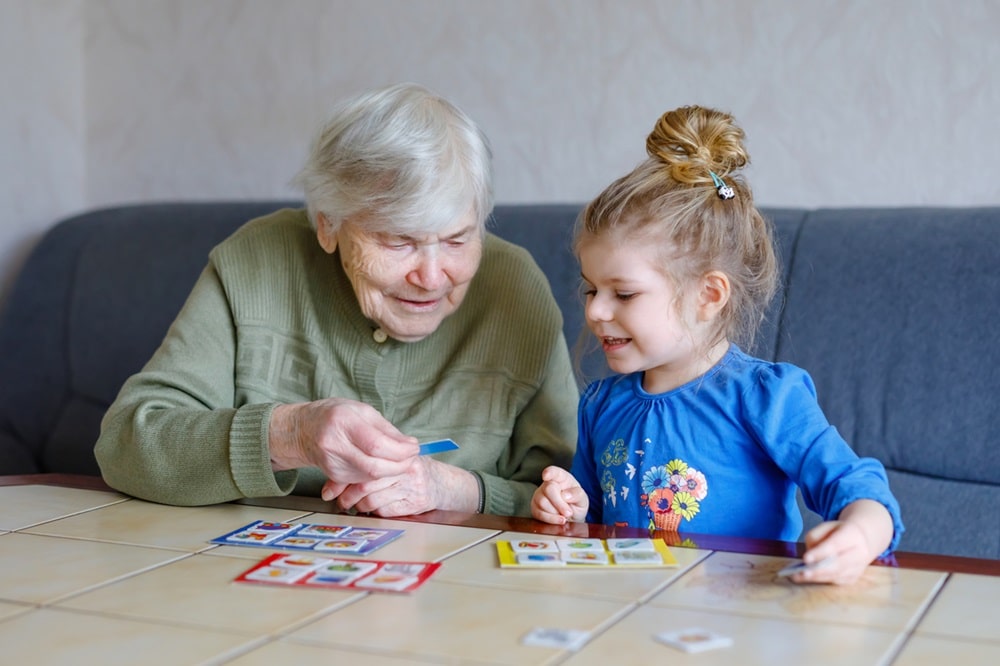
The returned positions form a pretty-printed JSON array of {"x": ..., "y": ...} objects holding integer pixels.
[{"x": 429, "y": 271}]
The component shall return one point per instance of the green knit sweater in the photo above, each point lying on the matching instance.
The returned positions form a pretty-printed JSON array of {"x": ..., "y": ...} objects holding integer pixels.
[{"x": 273, "y": 319}]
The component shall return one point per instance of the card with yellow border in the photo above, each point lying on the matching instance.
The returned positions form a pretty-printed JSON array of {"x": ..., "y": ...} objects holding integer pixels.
[{"x": 537, "y": 553}]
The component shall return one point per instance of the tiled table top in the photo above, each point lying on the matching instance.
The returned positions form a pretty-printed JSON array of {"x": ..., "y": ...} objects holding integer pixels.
[{"x": 92, "y": 576}]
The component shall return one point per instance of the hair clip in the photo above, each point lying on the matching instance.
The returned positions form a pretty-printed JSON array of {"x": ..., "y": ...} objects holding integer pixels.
[{"x": 725, "y": 192}]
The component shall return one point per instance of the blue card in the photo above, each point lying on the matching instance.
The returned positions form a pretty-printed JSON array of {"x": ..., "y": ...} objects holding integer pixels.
[{"x": 437, "y": 447}]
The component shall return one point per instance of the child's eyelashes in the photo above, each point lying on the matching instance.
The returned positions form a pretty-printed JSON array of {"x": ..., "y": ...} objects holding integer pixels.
[{"x": 619, "y": 295}]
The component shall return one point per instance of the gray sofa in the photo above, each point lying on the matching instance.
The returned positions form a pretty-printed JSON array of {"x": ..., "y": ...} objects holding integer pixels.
[{"x": 894, "y": 312}]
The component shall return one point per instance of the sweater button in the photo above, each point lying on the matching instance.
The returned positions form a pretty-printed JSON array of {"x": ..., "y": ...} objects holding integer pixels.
[{"x": 379, "y": 335}]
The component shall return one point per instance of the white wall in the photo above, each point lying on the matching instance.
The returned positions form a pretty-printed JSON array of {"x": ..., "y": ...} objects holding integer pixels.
[
  {"x": 42, "y": 129},
  {"x": 848, "y": 102}
]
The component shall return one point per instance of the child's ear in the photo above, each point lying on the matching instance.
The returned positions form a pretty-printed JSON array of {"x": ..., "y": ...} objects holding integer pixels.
[
  {"x": 325, "y": 233},
  {"x": 713, "y": 295}
]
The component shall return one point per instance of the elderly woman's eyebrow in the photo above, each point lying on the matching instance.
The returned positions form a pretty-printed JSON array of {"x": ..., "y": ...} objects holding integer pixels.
[
  {"x": 409, "y": 238},
  {"x": 463, "y": 232}
]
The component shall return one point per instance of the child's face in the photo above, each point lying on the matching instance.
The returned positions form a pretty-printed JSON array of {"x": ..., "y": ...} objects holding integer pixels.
[{"x": 641, "y": 320}]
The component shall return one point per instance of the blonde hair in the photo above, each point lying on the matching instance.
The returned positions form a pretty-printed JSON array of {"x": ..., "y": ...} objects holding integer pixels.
[{"x": 672, "y": 199}]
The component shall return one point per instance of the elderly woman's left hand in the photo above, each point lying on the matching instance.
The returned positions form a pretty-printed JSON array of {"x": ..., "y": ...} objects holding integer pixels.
[{"x": 426, "y": 485}]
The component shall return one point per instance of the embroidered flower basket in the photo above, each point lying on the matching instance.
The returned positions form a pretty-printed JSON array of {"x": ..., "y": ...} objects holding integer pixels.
[{"x": 667, "y": 521}]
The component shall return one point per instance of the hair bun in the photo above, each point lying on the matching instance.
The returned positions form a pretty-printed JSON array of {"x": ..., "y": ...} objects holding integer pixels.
[{"x": 694, "y": 141}]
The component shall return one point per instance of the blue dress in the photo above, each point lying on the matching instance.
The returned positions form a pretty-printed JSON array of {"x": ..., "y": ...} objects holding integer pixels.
[{"x": 721, "y": 454}]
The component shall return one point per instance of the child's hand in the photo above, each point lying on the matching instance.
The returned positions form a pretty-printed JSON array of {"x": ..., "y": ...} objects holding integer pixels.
[
  {"x": 846, "y": 546},
  {"x": 560, "y": 498},
  {"x": 841, "y": 551}
]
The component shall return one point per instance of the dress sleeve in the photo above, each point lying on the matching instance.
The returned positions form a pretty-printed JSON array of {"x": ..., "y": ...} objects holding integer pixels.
[
  {"x": 584, "y": 466},
  {"x": 174, "y": 433},
  {"x": 790, "y": 424}
]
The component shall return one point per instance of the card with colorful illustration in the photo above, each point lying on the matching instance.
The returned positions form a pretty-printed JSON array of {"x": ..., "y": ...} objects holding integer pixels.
[
  {"x": 332, "y": 539},
  {"x": 584, "y": 553},
  {"x": 327, "y": 572}
]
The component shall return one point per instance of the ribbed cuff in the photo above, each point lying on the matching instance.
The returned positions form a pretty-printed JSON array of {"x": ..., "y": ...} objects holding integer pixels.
[
  {"x": 249, "y": 456},
  {"x": 498, "y": 496},
  {"x": 482, "y": 492}
]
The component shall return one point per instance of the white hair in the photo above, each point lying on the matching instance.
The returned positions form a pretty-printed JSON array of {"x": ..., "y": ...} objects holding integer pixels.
[{"x": 398, "y": 159}]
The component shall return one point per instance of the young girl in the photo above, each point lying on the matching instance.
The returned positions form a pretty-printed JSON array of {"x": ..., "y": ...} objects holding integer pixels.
[{"x": 678, "y": 267}]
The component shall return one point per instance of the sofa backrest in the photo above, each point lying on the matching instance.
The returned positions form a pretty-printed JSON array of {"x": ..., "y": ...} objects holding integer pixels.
[
  {"x": 895, "y": 312},
  {"x": 892, "y": 311},
  {"x": 90, "y": 306}
]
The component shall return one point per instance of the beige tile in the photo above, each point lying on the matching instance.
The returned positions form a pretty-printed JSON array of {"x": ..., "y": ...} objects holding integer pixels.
[
  {"x": 937, "y": 651},
  {"x": 30, "y": 505},
  {"x": 420, "y": 542},
  {"x": 199, "y": 591},
  {"x": 730, "y": 582},
  {"x": 41, "y": 569},
  {"x": 967, "y": 607},
  {"x": 11, "y": 609},
  {"x": 483, "y": 623},
  {"x": 292, "y": 652},
  {"x": 51, "y": 636},
  {"x": 147, "y": 524},
  {"x": 480, "y": 566},
  {"x": 756, "y": 640}
]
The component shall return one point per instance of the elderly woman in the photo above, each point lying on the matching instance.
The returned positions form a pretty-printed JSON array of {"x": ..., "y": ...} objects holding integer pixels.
[{"x": 319, "y": 346}]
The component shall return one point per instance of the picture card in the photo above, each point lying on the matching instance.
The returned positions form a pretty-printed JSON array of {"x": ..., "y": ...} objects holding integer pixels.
[
  {"x": 694, "y": 640},
  {"x": 631, "y": 545},
  {"x": 332, "y": 539},
  {"x": 534, "y": 546},
  {"x": 584, "y": 553},
  {"x": 563, "y": 639},
  {"x": 438, "y": 446},
  {"x": 580, "y": 545},
  {"x": 796, "y": 567},
  {"x": 325, "y": 572}
]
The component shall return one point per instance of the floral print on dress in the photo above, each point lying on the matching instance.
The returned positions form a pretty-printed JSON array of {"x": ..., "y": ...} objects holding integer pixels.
[
  {"x": 671, "y": 492},
  {"x": 614, "y": 455}
]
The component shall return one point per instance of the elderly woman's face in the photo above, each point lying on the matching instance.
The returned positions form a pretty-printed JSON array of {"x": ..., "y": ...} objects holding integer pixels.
[{"x": 408, "y": 284}]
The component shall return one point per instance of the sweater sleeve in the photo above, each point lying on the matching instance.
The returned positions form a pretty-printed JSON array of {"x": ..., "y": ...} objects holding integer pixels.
[
  {"x": 544, "y": 434},
  {"x": 584, "y": 465},
  {"x": 174, "y": 433},
  {"x": 800, "y": 439}
]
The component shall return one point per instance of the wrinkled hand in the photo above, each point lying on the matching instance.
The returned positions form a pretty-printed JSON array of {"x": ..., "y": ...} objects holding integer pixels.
[
  {"x": 425, "y": 485},
  {"x": 559, "y": 498},
  {"x": 348, "y": 440}
]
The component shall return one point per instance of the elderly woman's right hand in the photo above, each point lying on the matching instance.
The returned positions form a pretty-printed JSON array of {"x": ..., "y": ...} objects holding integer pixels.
[{"x": 350, "y": 441}]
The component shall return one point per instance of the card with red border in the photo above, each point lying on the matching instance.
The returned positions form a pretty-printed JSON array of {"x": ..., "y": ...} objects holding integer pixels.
[{"x": 308, "y": 570}]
